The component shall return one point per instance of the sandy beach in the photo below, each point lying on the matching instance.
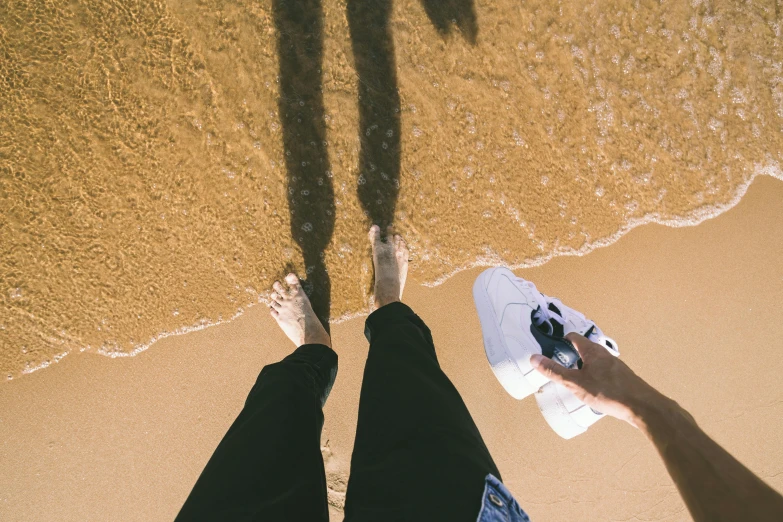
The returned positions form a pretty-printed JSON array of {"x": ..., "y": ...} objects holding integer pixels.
[
  {"x": 695, "y": 311},
  {"x": 162, "y": 163}
]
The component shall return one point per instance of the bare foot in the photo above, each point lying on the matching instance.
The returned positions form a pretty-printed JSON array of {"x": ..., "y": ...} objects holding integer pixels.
[
  {"x": 390, "y": 258},
  {"x": 292, "y": 310}
]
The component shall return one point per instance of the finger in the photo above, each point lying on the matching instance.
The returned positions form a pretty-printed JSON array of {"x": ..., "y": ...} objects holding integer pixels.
[
  {"x": 279, "y": 289},
  {"x": 583, "y": 345},
  {"x": 293, "y": 282},
  {"x": 550, "y": 369}
]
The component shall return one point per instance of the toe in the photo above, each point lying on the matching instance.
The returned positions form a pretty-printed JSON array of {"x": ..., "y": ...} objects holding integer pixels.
[
  {"x": 279, "y": 289},
  {"x": 374, "y": 234},
  {"x": 399, "y": 245},
  {"x": 293, "y": 282},
  {"x": 274, "y": 313},
  {"x": 276, "y": 298},
  {"x": 389, "y": 233}
]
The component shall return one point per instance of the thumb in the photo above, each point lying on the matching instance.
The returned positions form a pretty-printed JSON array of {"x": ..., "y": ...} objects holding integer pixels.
[{"x": 549, "y": 368}]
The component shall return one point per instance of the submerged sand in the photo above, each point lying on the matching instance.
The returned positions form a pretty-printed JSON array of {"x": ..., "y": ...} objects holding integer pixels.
[
  {"x": 162, "y": 162},
  {"x": 694, "y": 310}
]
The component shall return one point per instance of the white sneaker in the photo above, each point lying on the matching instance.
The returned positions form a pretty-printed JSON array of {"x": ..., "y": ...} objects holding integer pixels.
[
  {"x": 564, "y": 413},
  {"x": 518, "y": 321}
]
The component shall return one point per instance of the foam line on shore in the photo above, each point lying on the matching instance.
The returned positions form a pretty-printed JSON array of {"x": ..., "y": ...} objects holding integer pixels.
[{"x": 695, "y": 217}]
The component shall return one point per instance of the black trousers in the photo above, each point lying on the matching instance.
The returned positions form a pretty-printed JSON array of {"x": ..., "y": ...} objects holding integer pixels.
[{"x": 418, "y": 455}]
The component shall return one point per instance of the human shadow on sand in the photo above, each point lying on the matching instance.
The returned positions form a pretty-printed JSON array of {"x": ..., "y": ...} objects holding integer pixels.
[{"x": 299, "y": 25}]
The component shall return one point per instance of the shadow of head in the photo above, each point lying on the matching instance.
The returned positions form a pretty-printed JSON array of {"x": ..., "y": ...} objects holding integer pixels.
[{"x": 444, "y": 14}]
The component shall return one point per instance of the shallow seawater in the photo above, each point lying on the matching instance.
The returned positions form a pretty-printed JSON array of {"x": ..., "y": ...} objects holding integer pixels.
[{"x": 161, "y": 163}]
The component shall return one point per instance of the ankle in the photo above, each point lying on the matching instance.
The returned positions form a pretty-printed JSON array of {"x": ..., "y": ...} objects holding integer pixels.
[
  {"x": 382, "y": 300},
  {"x": 318, "y": 338}
]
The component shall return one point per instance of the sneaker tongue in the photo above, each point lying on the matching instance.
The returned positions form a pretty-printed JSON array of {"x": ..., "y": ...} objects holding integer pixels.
[
  {"x": 566, "y": 356},
  {"x": 555, "y": 347}
]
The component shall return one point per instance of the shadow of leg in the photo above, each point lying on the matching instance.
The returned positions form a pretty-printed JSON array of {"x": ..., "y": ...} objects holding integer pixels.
[
  {"x": 379, "y": 109},
  {"x": 299, "y": 26}
]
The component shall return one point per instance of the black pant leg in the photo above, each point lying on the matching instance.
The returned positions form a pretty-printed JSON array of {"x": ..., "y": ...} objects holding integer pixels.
[
  {"x": 418, "y": 454},
  {"x": 268, "y": 465}
]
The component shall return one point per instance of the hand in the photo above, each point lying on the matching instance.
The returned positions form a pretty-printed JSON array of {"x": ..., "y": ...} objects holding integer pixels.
[
  {"x": 713, "y": 484},
  {"x": 605, "y": 383}
]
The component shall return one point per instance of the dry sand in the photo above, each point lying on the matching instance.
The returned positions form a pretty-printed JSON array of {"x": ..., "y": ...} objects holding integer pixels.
[{"x": 696, "y": 312}]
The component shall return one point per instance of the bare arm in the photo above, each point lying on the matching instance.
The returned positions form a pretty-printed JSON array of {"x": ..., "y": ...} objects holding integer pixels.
[{"x": 713, "y": 484}]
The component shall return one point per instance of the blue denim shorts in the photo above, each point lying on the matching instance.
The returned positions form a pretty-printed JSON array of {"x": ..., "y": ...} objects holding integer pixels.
[{"x": 498, "y": 504}]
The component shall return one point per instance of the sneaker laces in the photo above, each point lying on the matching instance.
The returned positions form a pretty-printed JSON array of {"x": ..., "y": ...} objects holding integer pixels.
[
  {"x": 543, "y": 314},
  {"x": 593, "y": 332}
]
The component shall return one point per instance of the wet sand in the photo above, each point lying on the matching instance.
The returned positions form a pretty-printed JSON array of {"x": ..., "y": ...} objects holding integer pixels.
[
  {"x": 161, "y": 163},
  {"x": 695, "y": 311}
]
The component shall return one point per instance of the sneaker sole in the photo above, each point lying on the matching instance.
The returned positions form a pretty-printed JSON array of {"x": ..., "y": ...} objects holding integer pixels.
[
  {"x": 510, "y": 371},
  {"x": 564, "y": 413}
]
